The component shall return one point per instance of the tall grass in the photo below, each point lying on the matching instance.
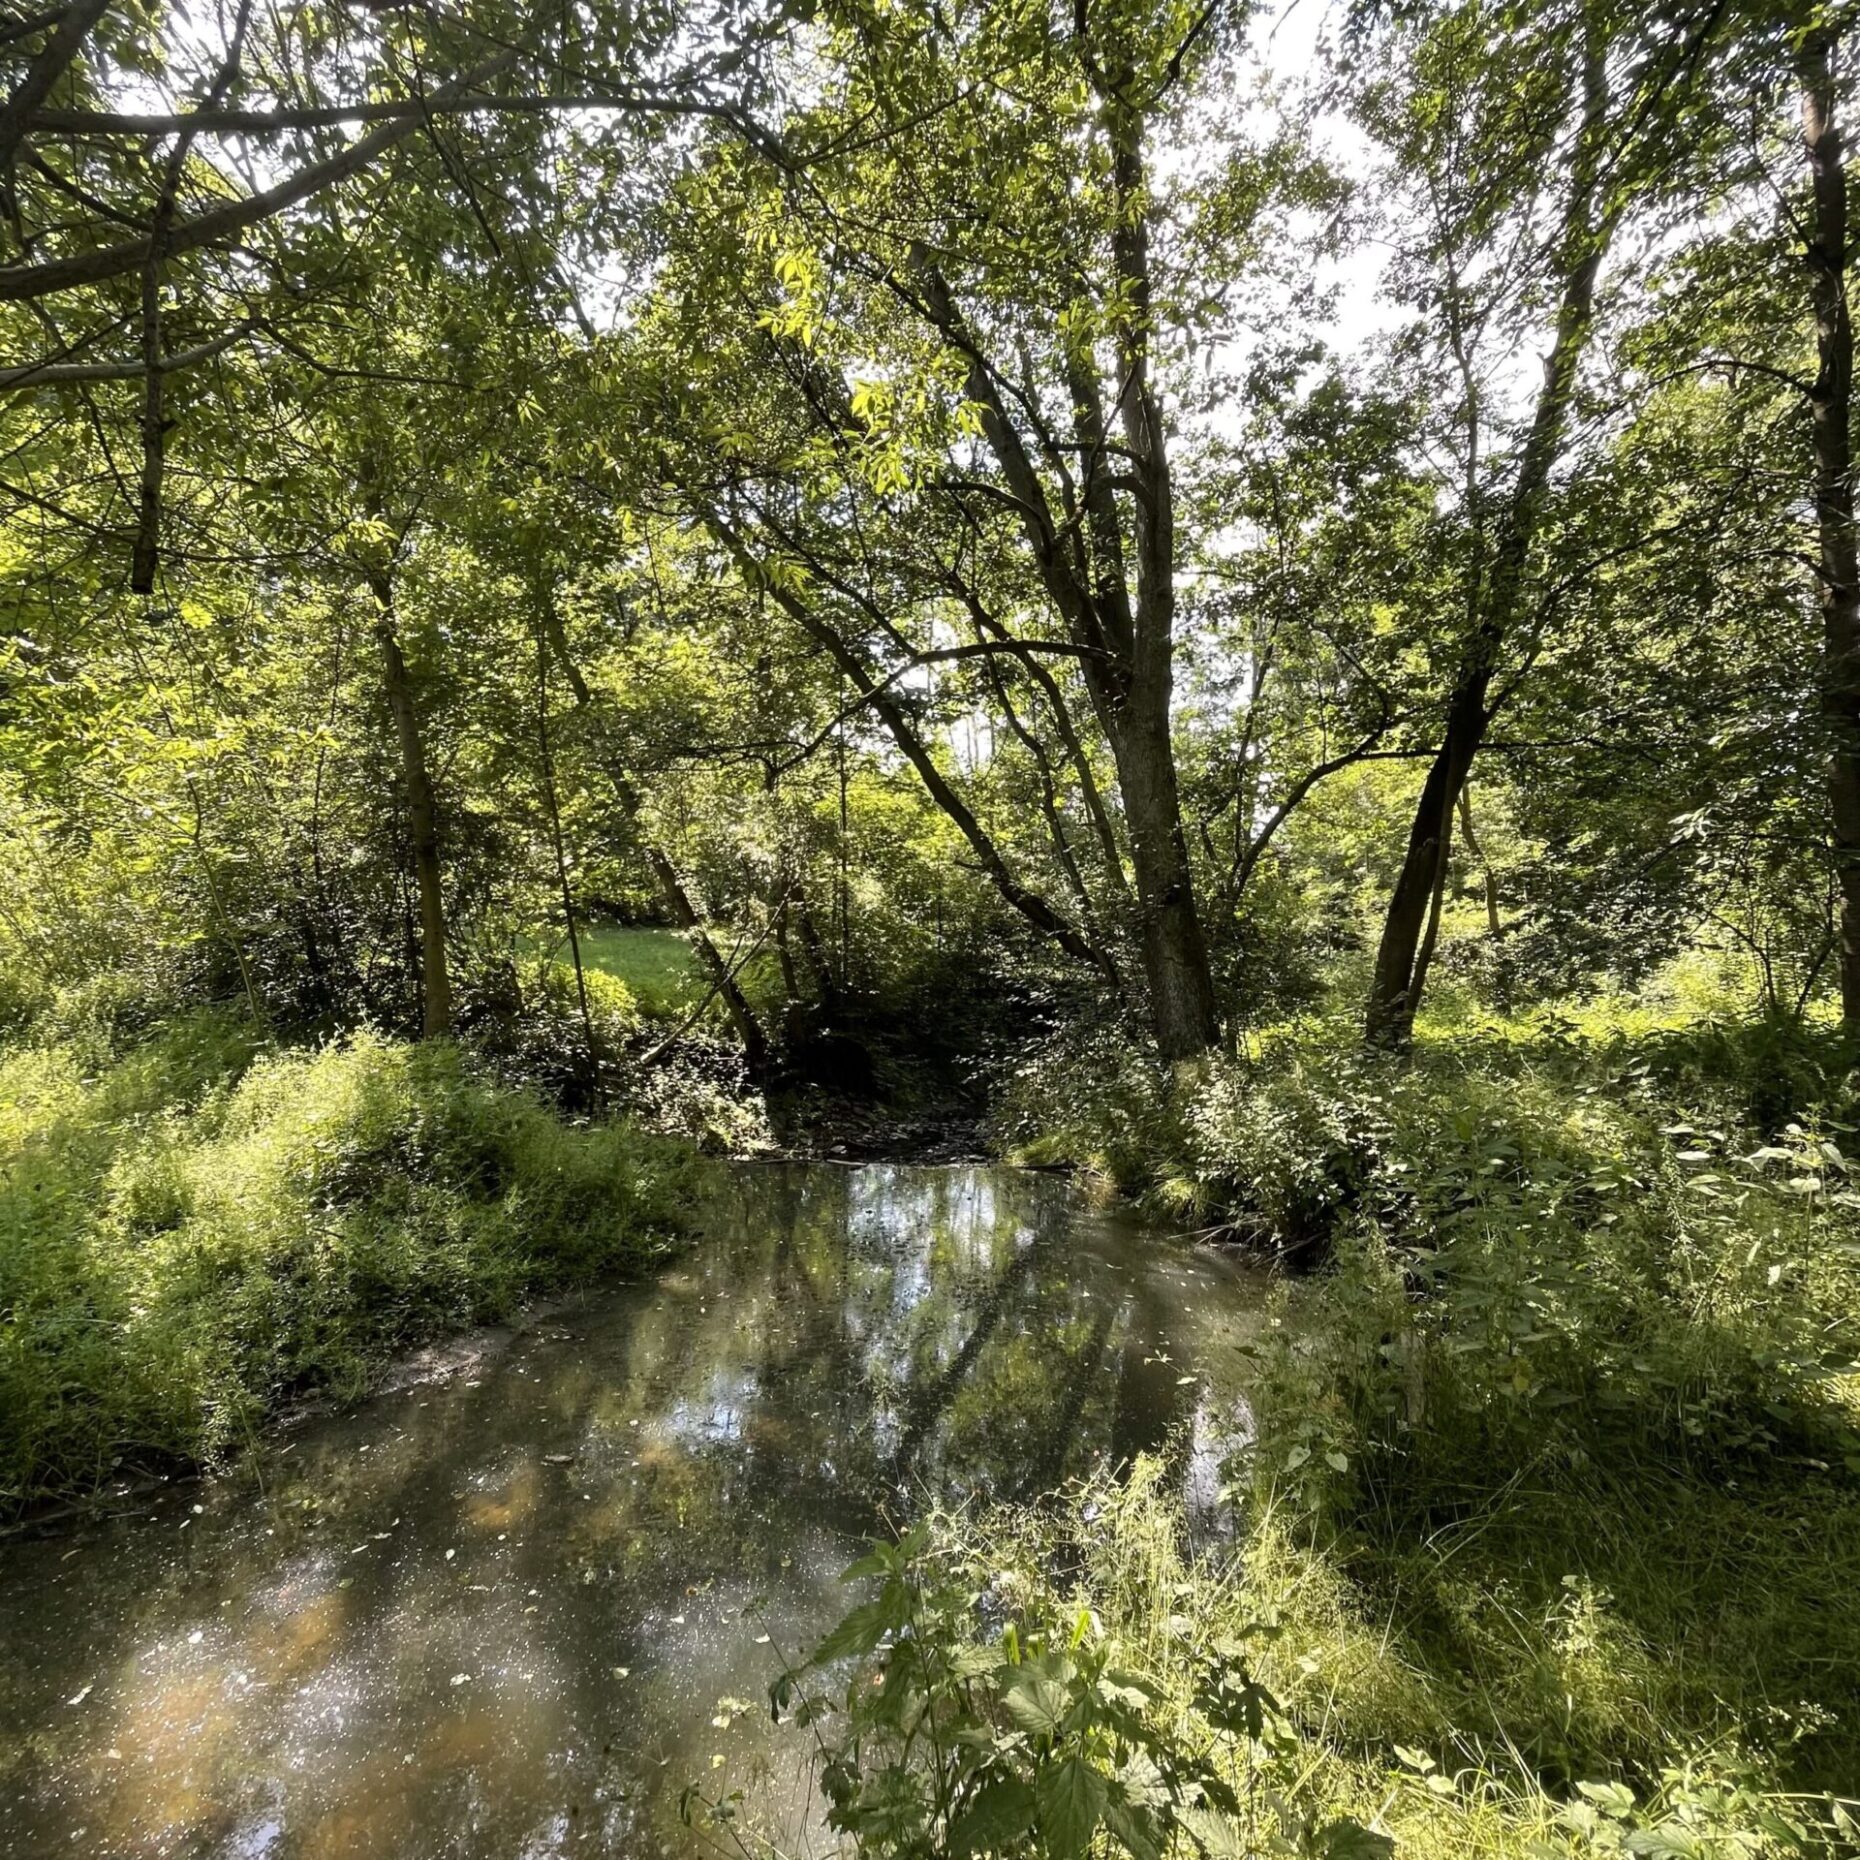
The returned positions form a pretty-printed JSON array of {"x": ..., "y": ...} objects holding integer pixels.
[
  {"x": 192, "y": 1230},
  {"x": 1222, "y": 1702},
  {"x": 1557, "y": 1472}
]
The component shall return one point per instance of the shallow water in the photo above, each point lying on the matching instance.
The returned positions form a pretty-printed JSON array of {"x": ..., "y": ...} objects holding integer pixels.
[{"x": 514, "y": 1609}]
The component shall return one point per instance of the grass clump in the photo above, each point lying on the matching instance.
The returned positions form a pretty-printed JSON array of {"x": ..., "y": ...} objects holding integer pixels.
[
  {"x": 192, "y": 1230},
  {"x": 1079, "y": 1680}
]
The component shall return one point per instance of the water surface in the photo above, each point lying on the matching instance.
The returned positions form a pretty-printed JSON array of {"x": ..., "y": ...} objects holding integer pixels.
[{"x": 513, "y": 1611}]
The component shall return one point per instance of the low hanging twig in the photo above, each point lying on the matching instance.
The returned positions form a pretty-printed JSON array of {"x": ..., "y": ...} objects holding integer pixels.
[{"x": 734, "y": 967}]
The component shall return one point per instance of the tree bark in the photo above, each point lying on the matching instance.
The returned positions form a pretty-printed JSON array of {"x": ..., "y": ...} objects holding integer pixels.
[
  {"x": 423, "y": 816},
  {"x": 559, "y": 845},
  {"x": 1395, "y": 990},
  {"x": 1831, "y": 416},
  {"x": 1175, "y": 953}
]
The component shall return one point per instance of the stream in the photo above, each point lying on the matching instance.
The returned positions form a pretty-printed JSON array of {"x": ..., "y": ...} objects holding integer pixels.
[{"x": 512, "y": 1605}]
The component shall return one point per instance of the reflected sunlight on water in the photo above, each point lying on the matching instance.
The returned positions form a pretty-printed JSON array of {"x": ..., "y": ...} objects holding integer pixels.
[{"x": 516, "y": 1613}]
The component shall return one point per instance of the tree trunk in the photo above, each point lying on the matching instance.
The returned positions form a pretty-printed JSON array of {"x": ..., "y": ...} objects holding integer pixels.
[
  {"x": 723, "y": 983},
  {"x": 1430, "y": 939},
  {"x": 1129, "y": 645},
  {"x": 813, "y": 946},
  {"x": 672, "y": 893},
  {"x": 1831, "y": 411},
  {"x": 1175, "y": 953},
  {"x": 559, "y": 844},
  {"x": 1493, "y": 927},
  {"x": 1395, "y": 991},
  {"x": 423, "y": 817}
]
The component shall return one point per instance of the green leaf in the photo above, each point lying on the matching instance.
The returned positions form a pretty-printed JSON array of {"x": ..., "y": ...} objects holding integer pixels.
[
  {"x": 1072, "y": 1797},
  {"x": 1612, "y": 1798},
  {"x": 998, "y": 1814},
  {"x": 863, "y": 1628},
  {"x": 1117, "y": 1687},
  {"x": 1217, "y": 1835},
  {"x": 1036, "y": 1699},
  {"x": 1135, "y": 1828}
]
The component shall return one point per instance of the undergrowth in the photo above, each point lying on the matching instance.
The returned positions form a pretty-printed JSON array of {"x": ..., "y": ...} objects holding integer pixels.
[
  {"x": 193, "y": 1229},
  {"x": 1556, "y": 1478},
  {"x": 1078, "y": 1679}
]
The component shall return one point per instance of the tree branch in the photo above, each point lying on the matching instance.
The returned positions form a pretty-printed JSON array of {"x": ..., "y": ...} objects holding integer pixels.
[{"x": 19, "y": 283}]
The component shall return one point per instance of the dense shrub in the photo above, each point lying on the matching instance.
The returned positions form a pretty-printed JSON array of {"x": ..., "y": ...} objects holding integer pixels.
[{"x": 190, "y": 1231}]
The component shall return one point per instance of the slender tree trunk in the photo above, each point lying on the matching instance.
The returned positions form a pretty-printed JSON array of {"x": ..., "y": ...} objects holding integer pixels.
[
  {"x": 423, "y": 816},
  {"x": 723, "y": 983},
  {"x": 884, "y": 705},
  {"x": 814, "y": 947},
  {"x": 672, "y": 892},
  {"x": 1395, "y": 990},
  {"x": 1492, "y": 925},
  {"x": 1049, "y": 792},
  {"x": 560, "y": 846},
  {"x": 1430, "y": 939},
  {"x": 1831, "y": 411},
  {"x": 784, "y": 953}
]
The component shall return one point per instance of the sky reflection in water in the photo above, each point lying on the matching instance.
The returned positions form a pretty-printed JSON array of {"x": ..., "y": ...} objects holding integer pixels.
[{"x": 501, "y": 1614}]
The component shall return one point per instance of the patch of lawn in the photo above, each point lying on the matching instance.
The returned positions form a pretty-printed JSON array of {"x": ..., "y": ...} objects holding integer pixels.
[{"x": 656, "y": 965}]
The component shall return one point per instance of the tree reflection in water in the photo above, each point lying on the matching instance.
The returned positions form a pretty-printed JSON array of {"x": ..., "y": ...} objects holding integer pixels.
[{"x": 514, "y": 1611}]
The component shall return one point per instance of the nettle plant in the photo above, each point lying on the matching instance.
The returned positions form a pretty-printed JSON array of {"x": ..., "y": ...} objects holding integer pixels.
[{"x": 957, "y": 1714}]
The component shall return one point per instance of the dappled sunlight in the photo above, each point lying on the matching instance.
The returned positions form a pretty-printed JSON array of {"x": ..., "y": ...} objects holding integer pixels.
[{"x": 524, "y": 1605}]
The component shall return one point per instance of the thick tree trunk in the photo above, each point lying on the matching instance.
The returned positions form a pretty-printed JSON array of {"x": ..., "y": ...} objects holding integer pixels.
[
  {"x": 1831, "y": 409},
  {"x": 1175, "y": 954},
  {"x": 1395, "y": 990},
  {"x": 423, "y": 817}
]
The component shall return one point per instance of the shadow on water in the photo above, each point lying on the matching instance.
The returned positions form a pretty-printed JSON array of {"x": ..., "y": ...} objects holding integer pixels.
[{"x": 515, "y": 1611}]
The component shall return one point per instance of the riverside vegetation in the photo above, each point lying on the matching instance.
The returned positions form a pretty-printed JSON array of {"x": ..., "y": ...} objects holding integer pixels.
[
  {"x": 1547, "y": 1534},
  {"x": 1257, "y": 603}
]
